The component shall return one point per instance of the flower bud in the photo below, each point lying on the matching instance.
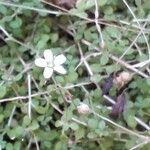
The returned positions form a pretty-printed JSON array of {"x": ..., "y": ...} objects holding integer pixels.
[{"x": 83, "y": 108}]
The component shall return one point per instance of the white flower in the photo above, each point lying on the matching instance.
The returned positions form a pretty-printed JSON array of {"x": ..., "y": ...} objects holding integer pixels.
[
  {"x": 83, "y": 108},
  {"x": 51, "y": 63}
]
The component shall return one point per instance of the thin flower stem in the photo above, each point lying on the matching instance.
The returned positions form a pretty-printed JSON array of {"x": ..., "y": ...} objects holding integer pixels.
[
  {"x": 84, "y": 60},
  {"x": 133, "y": 42},
  {"x": 79, "y": 122},
  {"x": 142, "y": 20},
  {"x": 29, "y": 95},
  {"x": 11, "y": 116},
  {"x": 77, "y": 85},
  {"x": 140, "y": 145},
  {"x": 121, "y": 127},
  {"x": 23, "y": 97},
  {"x": 97, "y": 24},
  {"x": 142, "y": 123},
  {"x": 36, "y": 142},
  {"x": 128, "y": 66},
  {"x": 56, "y": 6},
  {"x": 135, "y": 18},
  {"x": 31, "y": 8},
  {"x": 123, "y": 63},
  {"x": 41, "y": 93}
]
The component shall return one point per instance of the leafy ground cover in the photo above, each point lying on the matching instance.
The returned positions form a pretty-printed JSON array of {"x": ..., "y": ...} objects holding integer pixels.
[{"x": 95, "y": 91}]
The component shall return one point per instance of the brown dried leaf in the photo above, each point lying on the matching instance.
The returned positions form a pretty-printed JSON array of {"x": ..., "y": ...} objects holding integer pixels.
[
  {"x": 107, "y": 85},
  {"x": 118, "y": 108},
  {"x": 68, "y": 4}
]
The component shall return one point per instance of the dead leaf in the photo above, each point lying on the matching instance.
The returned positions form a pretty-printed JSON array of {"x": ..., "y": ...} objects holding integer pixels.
[
  {"x": 107, "y": 85},
  {"x": 68, "y": 4},
  {"x": 118, "y": 108}
]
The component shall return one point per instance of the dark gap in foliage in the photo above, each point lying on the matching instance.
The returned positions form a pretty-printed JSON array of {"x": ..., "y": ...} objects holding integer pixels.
[
  {"x": 63, "y": 34},
  {"x": 9, "y": 140},
  {"x": 27, "y": 55},
  {"x": 91, "y": 86},
  {"x": 140, "y": 128},
  {"x": 2, "y": 41}
]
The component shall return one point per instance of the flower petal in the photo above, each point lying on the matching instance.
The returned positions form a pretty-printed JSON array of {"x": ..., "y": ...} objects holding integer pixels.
[
  {"x": 47, "y": 72},
  {"x": 60, "y": 69},
  {"x": 40, "y": 62},
  {"x": 48, "y": 55},
  {"x": 60, "y": 59}
]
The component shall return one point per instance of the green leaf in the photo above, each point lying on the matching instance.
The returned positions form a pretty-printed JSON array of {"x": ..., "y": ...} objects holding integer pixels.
[
  {"x": 113, "y": 32},
  {"x": 84, "y": 4},
  {"x": 102, "y": 125},
  {"x": 141, "y": 39},
  {"x": 26, "y": 121},
  {"x": 96, "y": 68},
  {"x": 65, "y": 127},
  {"x": 112, "y": 68},
  {"x": 41, "y": 110},
  {"x": 71, "y": 77},
  {"x": 108, "y": 10},
  {"x": 93, "y": 123},
  {"x": 96, "y": 78},
  {"x": 16, "y": 23},
  {"x": 11, "y": 134},
  {"x": 60, "y": 146},
  {"x": 74, "y": 126},
  {"x": 43, "y": 41},
  {"x": 102, "y": 2},
  {"x": 91, "y": 135},
  {"x": 34, "y": 125},
  {"x": 18, "y": 77},
  {"x": 47, "y": 136},
  {"x": 58, "y": 123},
  {"x": 131, "y": 121},
  {"x": 54, "y": 37},
  {"x": 17, "y": 146},
  {"x": 138, "y": 2},
  {"x": 9, "y": 146},
  {"x": 96, "y": 94},
  {"x": 148, "y": 81},
  {"x": 2, "y": 144},
  {"x": 3, "y": 10},
  {"x": 59, "y": 79},
  {"x": 80, "y": 133},
  {"x": 132, "y": 142},
  {"x": 1, "y": 118},
  {"x": 76, "y": 12},
  {"x": 3, "y": 91},
  {"x": 18, "y": 131},
  {"x": 104, "y": 58},
  {"x": 67, "y": 114}
]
